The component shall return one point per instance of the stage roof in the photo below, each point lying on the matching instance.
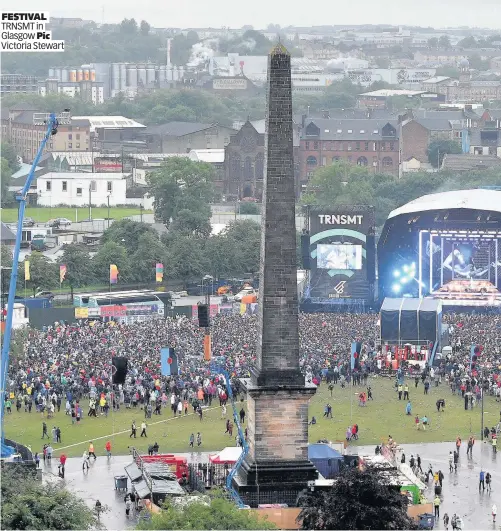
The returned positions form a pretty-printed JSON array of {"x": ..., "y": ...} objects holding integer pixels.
[{"x": 474, "y": 199}]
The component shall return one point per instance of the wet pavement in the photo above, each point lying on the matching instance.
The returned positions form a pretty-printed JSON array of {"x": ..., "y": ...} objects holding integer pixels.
[
  {"x": 99, "y": 484},
  {"x": 460, "y": 493}
]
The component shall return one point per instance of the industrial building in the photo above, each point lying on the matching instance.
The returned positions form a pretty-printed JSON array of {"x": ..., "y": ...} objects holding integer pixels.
[
  {"x": 18, "y": 84},
  {"x": 118, "y": 78}
]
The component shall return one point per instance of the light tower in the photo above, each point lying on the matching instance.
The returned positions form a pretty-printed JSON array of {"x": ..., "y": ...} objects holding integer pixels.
[{"x": 51, "y": 121}]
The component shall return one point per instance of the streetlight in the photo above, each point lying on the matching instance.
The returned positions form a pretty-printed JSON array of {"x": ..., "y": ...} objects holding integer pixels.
[{"x": 108, "y": 197}]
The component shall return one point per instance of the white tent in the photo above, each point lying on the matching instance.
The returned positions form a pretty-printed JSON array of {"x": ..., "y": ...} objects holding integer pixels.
[{"x": 230, "y": 454}]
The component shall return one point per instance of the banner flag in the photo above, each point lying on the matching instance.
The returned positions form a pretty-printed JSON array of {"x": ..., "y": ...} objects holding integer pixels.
[
  {"x": 113, "y": 274},
  {"x": 27, "y": 270},
  {"x": 159, "y": 272},
  {"x": 62, "y": 273}
]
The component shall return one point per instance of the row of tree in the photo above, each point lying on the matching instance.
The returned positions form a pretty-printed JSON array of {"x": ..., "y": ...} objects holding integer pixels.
[
  {"x": 347, "y": 184},
  {"x": 9, "y": 166}
]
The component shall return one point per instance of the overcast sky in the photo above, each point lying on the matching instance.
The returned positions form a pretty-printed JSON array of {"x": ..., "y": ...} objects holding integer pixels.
[{"x": 259, "y": 13}]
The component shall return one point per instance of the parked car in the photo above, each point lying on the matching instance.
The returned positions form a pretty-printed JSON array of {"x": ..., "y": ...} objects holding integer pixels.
[
  {"x": 44, "y": 294},
  {"x": 52, "y": 223},
  {"x": 64, "y": 222},
  {"x": 28, "y": 222}
]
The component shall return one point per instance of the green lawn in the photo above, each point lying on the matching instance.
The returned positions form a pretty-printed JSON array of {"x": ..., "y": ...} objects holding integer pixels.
[
  {"x": 384, "y": 416},
  {"x": 42, "y": 215}
]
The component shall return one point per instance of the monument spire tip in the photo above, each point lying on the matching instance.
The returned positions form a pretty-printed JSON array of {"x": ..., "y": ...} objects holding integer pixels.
[{"x": 279, "y": 49}]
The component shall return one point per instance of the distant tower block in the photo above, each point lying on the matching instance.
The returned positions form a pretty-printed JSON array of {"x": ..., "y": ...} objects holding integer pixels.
[{"x": 276, "y": 468}]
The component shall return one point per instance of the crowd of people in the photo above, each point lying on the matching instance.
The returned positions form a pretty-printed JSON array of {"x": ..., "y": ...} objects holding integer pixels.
[{"x": 65, "y": 363}]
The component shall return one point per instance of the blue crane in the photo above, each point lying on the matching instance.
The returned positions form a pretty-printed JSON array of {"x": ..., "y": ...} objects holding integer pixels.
[
  {"x": 52, "y": 122},
  {"x": 219, "y": 367}
]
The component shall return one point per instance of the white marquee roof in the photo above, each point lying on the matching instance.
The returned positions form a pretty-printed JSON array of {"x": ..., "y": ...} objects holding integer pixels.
[{"x": 476, "y": 199}]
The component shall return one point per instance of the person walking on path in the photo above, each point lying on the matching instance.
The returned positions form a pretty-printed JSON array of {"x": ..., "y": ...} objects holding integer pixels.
[
  {"x": 91, "y": 450},
  {"x": 488, "y": 479},
  {"x": 85, "y": 461},
  {"x": 44, "y": 431},
  {"x": 406, "y": 392},
  {"x": 143, "y": 429},
  {"x": 436, "y": 505},
  {"x": 133, "y": 430},
  {"x": 471, "y": 442},
  {"x": 481, "y": 482},
  {"x": 108, "y": 449},
  {"x": 62, "y": 463},
  {"x": 458, "y": 444},
  {"x": 418, "y": 463},
  {"x": 451, "y": 461},
  {"x": 494, "y": 513},
  {"x": 446, "y": 521}
]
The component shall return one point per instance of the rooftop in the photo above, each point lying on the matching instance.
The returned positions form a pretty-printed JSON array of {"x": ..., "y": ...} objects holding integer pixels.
[
  {"x": 436, "y": 79},
  {"x": 177, "y": 128},
  {"x": 212, "y": 156},
  {"x": 72, "y": 176},
  {"x": 109, "y": 122},
  {"x": 468, "y": 162},
  {"x": 476, "y": 199},
  {"x": 364, "y": 130},
  {"x": 386, "y": 93}
]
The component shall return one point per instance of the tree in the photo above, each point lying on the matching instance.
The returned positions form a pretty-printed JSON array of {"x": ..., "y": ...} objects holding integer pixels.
[
  {"x": 359, "y": 499},
  {"x": 127, "y": 233},
  {"x": 44, "y": 273},
  {"x": 193, "y": 222},
  {"x": 79, "y": 271},
  {"x": 439, "y": 148},
  {"x": 185, "y": 257},
  {"x": 468, "y": 42},
  {"x": 337, "y": 184},
  {"x": 150, "y": 251},
  {"x": 111, "y": 253},
  {"x": 128, "y": 26},
  {"x": 30, "y": 504},
  {"x": 144, "y": 28},
  {"x": 248, "y": 208},
  {"x": 243, "y": 237},
  {"x": 181, "y": 184},
  {"x": 444, "y": 41},
  {"x": 8, "y": 152},
  {"x": 218, "y": 513},
  {"x": 6, "y": 263},
  {"x": 477, "y": 63},
  {"x": 6, "y": 175},
  {"x": 433, "y": 42}
]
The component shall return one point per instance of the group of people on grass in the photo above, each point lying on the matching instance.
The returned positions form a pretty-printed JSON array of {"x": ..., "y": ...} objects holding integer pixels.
[{"x": 64, "y": 363}]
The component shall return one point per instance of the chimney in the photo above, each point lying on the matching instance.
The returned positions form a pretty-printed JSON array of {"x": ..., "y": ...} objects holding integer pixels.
[{"x": 303, "y": 119}]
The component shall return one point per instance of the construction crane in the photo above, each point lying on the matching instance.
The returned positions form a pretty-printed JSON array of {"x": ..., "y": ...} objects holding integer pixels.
[
  {"x": 218, "y": 366},
  {"x": 52, "y": 122}
]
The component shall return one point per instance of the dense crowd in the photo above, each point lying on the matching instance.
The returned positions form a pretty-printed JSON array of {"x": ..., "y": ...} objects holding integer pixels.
[
  {"x": 77, "y": 357},
  {"x": 74, "y": 360}
]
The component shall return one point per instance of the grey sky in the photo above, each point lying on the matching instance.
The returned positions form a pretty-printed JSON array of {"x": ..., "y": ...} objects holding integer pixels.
[{"x": 259, "y": 13}]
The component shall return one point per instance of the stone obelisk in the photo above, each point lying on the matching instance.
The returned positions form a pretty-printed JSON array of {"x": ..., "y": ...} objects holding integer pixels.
[{"x": 276, "y": 468}]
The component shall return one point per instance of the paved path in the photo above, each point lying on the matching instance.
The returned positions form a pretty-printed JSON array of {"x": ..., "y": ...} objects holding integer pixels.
[{"x": 460, "y": 491}]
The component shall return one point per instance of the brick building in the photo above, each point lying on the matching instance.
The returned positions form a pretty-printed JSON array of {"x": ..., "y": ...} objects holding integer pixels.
[
  {"x": 18, "y": 129},
  {"x": 373, "y": 143},
  {"x": 417, "y": 134},
  {"x": 244, "y": 161}
]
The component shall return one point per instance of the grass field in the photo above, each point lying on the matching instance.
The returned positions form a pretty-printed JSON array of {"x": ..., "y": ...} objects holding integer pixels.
[
  {"x": 380, "y": 418},
  {"x": 42, "y": 215}
]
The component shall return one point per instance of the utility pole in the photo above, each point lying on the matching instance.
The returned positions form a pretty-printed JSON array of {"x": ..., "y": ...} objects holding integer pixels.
[
  {"x": 108, "y": 210},
  {"x": 90, "y": 201}
]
